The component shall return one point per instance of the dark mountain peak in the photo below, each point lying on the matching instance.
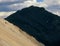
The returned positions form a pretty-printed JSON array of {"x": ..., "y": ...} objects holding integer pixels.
[
  {"x": 39, "y": 23},
  {"x": 32, "y": 8},
  {"x": 37, "y": 7}
]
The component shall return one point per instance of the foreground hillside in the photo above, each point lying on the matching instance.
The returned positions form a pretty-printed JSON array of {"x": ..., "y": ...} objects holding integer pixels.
[{"x": 11, "y": 35}]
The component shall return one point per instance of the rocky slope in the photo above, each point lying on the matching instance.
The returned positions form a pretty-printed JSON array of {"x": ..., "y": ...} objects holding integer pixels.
[
  {"x": 11, "y": 35},
  {"x": 39, "y": 23}
]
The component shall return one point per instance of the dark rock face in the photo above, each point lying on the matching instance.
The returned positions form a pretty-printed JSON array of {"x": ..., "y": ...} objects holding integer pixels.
[{"x": 39, "y": 23}]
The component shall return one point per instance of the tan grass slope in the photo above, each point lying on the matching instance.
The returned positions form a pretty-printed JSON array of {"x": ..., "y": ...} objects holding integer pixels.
[{"x": 11, "y": 35}]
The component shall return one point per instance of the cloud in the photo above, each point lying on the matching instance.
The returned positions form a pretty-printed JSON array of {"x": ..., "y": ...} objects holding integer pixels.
[
  {"x": 12, "y": 1},
  {"x": 22, "y": 5},
  {"x": 52, "y": 2},
  {"x": 5, "y": 4},
  {"x": 5, "y": 14},
  {"x": 53, "y": 6},
  {"x": 14, "y": 5},
  {"x": 9, "y": 6},
  {"x": 27, "y": 3},
  {"x": 50, "y": 5}
]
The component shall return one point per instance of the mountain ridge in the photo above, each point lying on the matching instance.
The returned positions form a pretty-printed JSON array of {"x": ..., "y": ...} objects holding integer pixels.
[{"x": 39, "y": 23}]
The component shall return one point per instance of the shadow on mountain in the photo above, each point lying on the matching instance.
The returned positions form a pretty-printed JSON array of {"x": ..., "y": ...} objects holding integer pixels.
[{"x": 39, "y": 23}]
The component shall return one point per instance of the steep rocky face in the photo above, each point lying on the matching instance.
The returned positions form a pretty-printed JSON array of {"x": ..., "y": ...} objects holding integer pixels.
[
  {"x": 39, "y": 23},
  {"x": 11, "y": 35}
]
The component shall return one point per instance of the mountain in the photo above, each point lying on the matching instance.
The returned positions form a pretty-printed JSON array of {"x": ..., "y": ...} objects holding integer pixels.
[
  {"x": 11, "y": 35},
  {"x": 39, "y": 23}
]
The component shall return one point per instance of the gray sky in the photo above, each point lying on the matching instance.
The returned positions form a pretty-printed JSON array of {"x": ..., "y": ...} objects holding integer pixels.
[{"x": 10, "y": 6}]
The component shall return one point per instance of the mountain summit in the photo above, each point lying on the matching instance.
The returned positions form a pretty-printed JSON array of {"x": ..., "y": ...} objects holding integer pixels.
[{"x": 39, "y": 23}]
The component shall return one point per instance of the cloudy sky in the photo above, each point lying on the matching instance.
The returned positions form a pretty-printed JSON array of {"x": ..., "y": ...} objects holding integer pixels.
[{"x": 8, "y": 7}]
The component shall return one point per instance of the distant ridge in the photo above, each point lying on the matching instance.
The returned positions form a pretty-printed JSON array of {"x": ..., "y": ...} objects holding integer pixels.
[{"x": 39, "y": 23}]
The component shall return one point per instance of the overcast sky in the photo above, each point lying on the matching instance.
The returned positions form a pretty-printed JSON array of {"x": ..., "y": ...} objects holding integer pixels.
[{"x": 10, "y": 6}]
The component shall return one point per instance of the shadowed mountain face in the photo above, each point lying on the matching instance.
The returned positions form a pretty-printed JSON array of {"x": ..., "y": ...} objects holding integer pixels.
[{"x": 39, "y": 23}]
